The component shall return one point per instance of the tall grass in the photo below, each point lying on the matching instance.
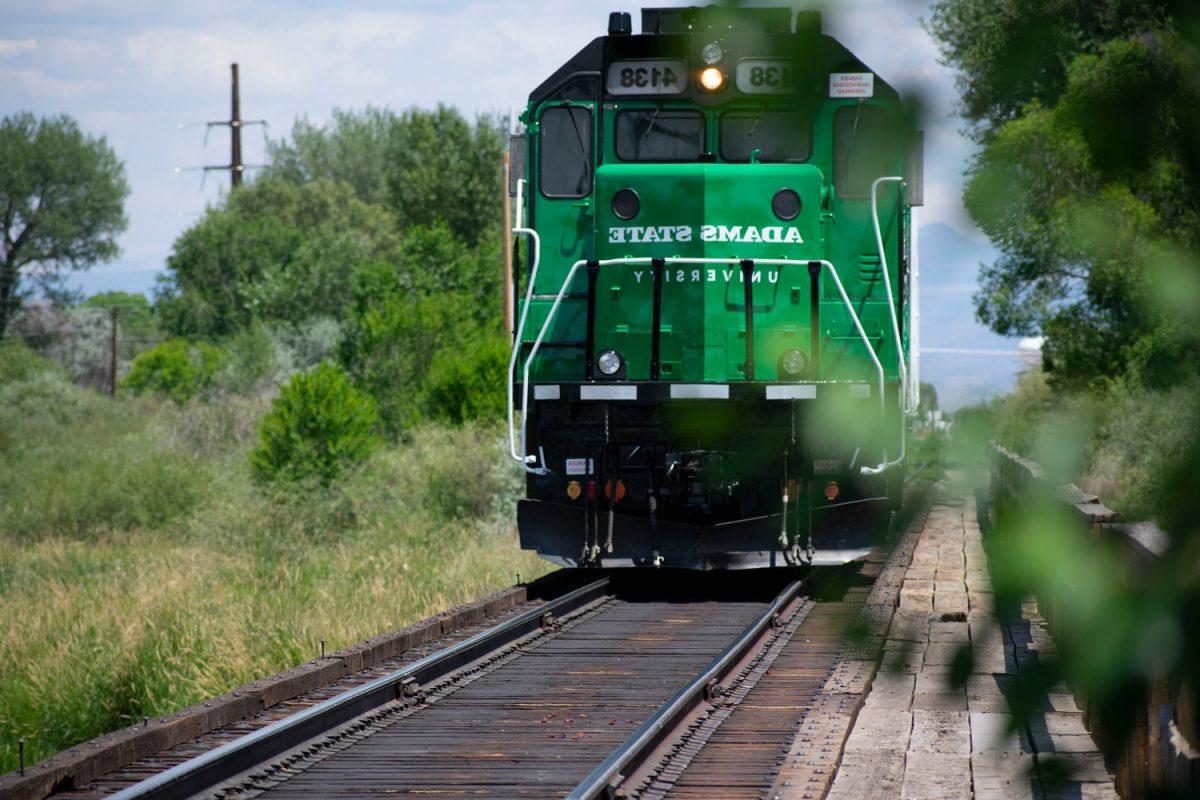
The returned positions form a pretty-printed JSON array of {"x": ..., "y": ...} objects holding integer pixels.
[
  {"x": 141, "y": 570},
  {"x": 1117, "y": 440}
]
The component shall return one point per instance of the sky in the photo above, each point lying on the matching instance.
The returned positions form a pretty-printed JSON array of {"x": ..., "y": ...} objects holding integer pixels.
[{"x": 148, "y": 75}]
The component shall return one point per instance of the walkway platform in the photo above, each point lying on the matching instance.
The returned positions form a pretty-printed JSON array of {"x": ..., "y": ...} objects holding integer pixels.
[{"x": 917, "y": 737}]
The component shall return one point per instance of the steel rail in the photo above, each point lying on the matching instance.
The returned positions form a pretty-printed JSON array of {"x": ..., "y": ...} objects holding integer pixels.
[
  {"x": 605, "y": 779},
  {"x": 229, "y": 760}
]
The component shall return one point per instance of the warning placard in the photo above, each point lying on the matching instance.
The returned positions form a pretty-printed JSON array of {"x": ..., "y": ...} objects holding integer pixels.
[{"x": 851, "y": 84}]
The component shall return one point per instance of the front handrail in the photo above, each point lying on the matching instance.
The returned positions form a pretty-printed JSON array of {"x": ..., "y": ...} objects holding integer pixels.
[
  {"x": 646, "y": 261},
  {"x": 534, "y": 260},
  {"x": 902, "y": 395}
]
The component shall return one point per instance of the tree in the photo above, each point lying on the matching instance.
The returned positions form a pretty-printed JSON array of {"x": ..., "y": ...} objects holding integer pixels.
[
  {"x": 424, "y": 166},
  {"x": 135, "y": 316},
  {"x": 1009, "y": 53},
  {"x": 1088, "y": 180},
  {"x": 273, "y": 250},
  {"x": 353, "y": 148},
  {"x": 62, "y": 197},
  {"x": 442, "y": 167}
]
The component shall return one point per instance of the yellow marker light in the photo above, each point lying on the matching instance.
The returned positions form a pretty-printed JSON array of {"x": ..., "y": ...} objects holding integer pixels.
[
  {"x": 712, "y": 79},
  {"x": 574, "y": 490}
]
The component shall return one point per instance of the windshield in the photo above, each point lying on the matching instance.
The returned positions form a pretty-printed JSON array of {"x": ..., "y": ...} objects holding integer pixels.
[
  {"x": 778, "y": 135},
  {"x": 658, "y": 134}
]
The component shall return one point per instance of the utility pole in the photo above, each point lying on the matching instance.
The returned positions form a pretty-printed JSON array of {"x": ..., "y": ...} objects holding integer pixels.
[
  {"x": 112, "y": 355},
  {"x": 236, "y": 167},
  {"x": 506, "y": 209},
  {"x": 235, "y": 123}
]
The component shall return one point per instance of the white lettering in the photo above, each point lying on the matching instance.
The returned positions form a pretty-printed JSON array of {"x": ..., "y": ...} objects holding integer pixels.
[
  {"x": 637, "y": 234},
  {"x": 773, "y": 277},
  {"x": 637, "y": 276},
  {"x": 679, "y": 276},
  {"x": 712, "y": 276}
]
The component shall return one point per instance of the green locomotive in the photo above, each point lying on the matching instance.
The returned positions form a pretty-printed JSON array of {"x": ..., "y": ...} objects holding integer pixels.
[{"x": 712, "y": 365}]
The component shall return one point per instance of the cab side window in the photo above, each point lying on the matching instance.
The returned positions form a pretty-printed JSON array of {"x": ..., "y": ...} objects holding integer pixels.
[
  {"x": 565, "y": 152},
  {"x": 864, "y": 149}
]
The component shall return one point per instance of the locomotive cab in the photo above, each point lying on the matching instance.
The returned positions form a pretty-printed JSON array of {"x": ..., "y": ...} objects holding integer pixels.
[{"x": 711, "y": 365}]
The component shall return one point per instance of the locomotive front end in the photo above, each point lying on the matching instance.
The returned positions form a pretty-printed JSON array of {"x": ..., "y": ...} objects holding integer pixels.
[{"x": 709, "y": 368}]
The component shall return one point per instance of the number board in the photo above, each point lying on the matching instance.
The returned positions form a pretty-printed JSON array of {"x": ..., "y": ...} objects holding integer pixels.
[
  {"x": 765, "y": 76},
  {"x": 649, "y": 76}
]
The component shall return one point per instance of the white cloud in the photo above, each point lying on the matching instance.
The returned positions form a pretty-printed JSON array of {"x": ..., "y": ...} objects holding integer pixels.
[
  {"x": 12, "y": 47},
  {"x": 134, "y": 72}
]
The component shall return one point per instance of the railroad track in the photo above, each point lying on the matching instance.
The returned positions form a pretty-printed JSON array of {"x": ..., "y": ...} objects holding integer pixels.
[{"x": 609, "y": 689}]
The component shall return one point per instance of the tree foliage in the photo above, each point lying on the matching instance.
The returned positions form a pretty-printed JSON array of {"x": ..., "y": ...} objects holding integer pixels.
[
  {"x": 386, "y": 223},
  {"x": 62, "y": 200},
  {"x": 467, "y": 383},
  {"x": 393, "y": 334},
  {"x": 1088, "y": 180},
  {"x": 352, "y": 147},
  {"x": 135, "y": 318},
  {"x": 425, "y": 166},
  {"x": 273, "y": 250},
  {"x": 443, "y": 168}
]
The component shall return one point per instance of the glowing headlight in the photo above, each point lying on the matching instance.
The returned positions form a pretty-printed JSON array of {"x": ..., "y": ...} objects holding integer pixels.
[
  {"x": 712, "y": 79},
  {"x": 712, "y": 53},
  {"x": 793, "y": 362},
  {"x": 609, "y": 362}
]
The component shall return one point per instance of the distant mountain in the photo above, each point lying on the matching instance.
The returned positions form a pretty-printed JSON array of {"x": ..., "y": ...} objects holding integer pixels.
[
  {"x": 100, "y": 279},
  {"x": 949, "y": 278}
]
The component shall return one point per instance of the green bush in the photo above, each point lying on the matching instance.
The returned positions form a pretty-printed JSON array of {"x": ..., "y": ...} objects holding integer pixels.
[
  {"x": 318, "y": 426},
  {"x": 19, "y": 363},
  {"x": 176, "y": 368},
  {"x": 466, "y": 381},
  {"x": 251, "y": 361},
  {"x": 392, "y": 336}
]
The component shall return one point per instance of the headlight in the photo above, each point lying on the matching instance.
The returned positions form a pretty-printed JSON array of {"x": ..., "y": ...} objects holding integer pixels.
[
  {"x": 609, "y": 362},
  {"x": 793, "y": 363},
  {"x": 711, "y": 53},
  {"x": 712, "y": 79}
]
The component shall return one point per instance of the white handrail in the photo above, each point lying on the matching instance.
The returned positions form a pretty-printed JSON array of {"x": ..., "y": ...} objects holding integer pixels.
[
  {"x": 644, "y": 261},
  {"x": 902, "y": 395},
  {"x": 535, "y": 259},
  {"x": 914, "y": 311}
]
